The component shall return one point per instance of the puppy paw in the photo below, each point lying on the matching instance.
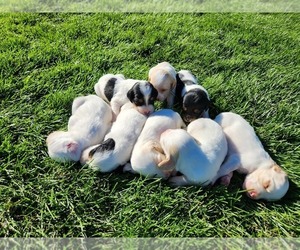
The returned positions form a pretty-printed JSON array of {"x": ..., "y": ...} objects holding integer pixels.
[
  {"x": 176, "y": 181},
  {"x": 128, "y": 168},
  {"x": 225, "y": 180}
]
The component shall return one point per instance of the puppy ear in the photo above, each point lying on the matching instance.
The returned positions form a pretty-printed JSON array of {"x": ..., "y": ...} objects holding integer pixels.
[
  {"x": 154, "y": 92},
  {"x": 130, "y": 94},
  {"x": 277, "y": 168},
  {"x": 173, "y": 83}
]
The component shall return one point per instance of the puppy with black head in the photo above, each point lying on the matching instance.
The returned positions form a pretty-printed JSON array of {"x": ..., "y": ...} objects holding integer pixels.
[
  {"x": 118, "y": 91},
  {"x": 195, "y": 103},
  {"x": 193, "y": 98},
  {"x": 142, "y": 95}
]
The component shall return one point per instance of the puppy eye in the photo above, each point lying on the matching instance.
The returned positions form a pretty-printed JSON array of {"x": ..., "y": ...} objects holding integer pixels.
[
  {"x": 197, "y": 111},
  {"x": 140, "y": 101},
  {"x": 266, "y": 184},
  {"x": 162, "y": 90}
]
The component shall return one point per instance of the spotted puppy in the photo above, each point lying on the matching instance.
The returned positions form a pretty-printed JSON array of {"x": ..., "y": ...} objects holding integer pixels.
[
  {"x": 264, "y": 178},
  {"x": 90, "y": 121},
  {"x": 118, "y": 143},
  {"x": 147, "y": 152},
  {"x": 194, "y": 98},
  {"x": 118, "y": 91},
  {"x": 196, "y": 153}
]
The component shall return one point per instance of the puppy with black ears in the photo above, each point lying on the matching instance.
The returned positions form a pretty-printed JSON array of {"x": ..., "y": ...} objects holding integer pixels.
[
  {"x": 180, "y": 90},
  {"x": 118, "y": 143},
  {"x": 119, "y": 91},
  {"x": 193, "y": 99},
  {"x": 90, "y": 121}
]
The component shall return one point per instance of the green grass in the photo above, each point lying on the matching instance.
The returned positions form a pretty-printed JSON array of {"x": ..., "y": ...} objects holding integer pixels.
[
  {"x": 249, "y": 63},
  {"x": 143, "y": 6}
]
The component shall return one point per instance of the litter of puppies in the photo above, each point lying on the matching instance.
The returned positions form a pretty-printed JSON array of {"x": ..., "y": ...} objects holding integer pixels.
[{"x": 119, "y": 126}]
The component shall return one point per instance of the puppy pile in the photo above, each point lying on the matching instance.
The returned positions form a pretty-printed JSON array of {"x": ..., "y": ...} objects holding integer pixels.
[{"x": 120, "y": 127}]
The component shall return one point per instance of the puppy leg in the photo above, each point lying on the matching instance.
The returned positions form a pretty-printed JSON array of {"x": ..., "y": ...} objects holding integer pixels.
[
  {"x": 225, "y": 180},
  {"x": 128, "y": 168},
  {"x": 179, "y": 181},
  {"x": 230, "y": 164},
  {"x": 115, "y": 107},
  {"x": 78, "y": 101}
]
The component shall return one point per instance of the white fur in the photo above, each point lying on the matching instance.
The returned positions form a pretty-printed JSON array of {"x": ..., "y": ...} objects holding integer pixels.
[
  {"x": 121, "y": 88},
  {"x": 147, "y": 152},
  {"x": 125, "y": 131},
  {"x": 91, "y": 119},
  {"x": 100, "y": 85},
  {"x": 197, "y": 153},
  {"x": 265, "y": 179},
  {"x": 163, "y": 78},
  {"x": 187, "y": 77}
]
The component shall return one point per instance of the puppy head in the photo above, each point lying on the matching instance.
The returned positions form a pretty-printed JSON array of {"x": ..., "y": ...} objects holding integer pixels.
[
  {"x": 142, "y": 95},
  {"x": 195, "y": 103},
  {"x": 61, "y": 147},
  {"x": 163, "y": 78},
  {"x": 270, "y": 184}
]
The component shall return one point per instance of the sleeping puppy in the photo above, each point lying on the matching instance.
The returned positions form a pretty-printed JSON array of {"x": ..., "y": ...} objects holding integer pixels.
[
  {"x": 90, "y": 121},
  {"x": 196, "y": 153},
  {"x": 118, "y": 143},
  {"x": 265, "y": 179},
  {"x": 147, "y": 153},
  {"x": 163, "y": 78},
  {"x": 118, "y": 91}
]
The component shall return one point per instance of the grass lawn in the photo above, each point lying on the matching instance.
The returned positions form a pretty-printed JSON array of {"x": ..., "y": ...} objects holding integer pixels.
[{"x": 249, "y": 63}]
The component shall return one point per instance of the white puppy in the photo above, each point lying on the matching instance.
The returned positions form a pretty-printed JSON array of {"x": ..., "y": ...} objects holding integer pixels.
[
  {"x": 265, "y": 179},
  {"x": 91, "y": 119},
  {"x": 118, "y": 143},
  {"x": 197, "y": 153},
  {"x": 147, "y": 153},
  {"x": 119, "y": 91},
  {"x": 163, "y": 78}
]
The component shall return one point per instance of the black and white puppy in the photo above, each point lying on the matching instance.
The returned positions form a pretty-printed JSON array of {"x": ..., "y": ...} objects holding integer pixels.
[
  {"x": 118, "y": 91},
  {"x": 194, "y": 98},
  {"x": 117, "y": 146}
]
